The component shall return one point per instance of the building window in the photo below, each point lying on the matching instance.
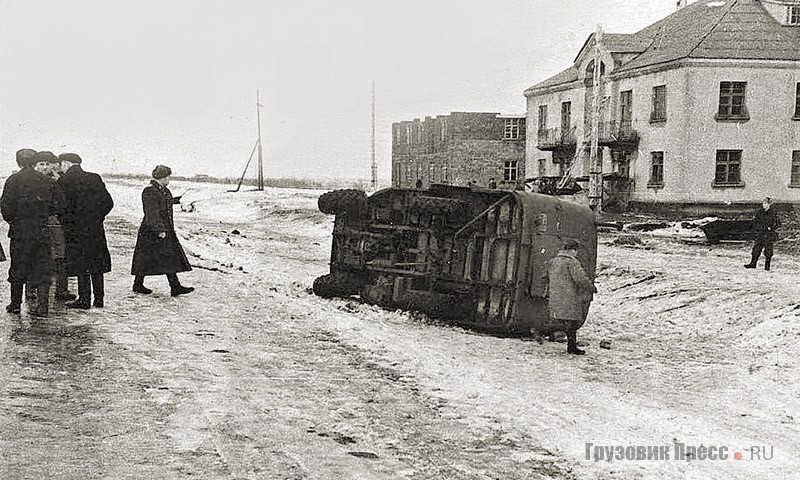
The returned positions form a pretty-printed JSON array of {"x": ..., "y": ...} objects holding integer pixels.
[
  {"x": 588, "y": 79},
  {"x": 795, "y": 181},
  {"x": 732, "y": 101},
  {"x": 409, "y": 133},
  {"x": 794, "y": 15},
  {"x": 542, "y": 118},
  {"x": 797, "y": 102},
  {"x": 659, "y": 113},
  {"x": 511, "y": 130},
  {"x": 431, "y": 172},
  {"x": 566, "y": 117},
  {"x": 656, "y": 169},
  {"x": 542, "y": 167},
  {"x": 444, "y": 130},
  {"x": 728, "y": 172},
  {"x": 445, "y": 172},
  {"x": 625, "y": 110},
  {"x": 510, "y": 171}
]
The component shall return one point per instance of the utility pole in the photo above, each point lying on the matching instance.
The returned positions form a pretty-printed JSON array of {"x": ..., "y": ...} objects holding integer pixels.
[
  {"x": 596, "y": 161},
  {"x": 260, "y": 160},
  {"x": 372, "y": 138}
]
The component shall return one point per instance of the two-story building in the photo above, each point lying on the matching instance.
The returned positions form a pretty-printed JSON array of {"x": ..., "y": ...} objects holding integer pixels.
[
  {"x": 703, "y": 106},
  {"x": 458, "y": 149}
]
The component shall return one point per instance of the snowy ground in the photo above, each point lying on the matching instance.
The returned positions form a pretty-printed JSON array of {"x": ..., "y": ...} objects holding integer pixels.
[{"x": 253, "y": 377}]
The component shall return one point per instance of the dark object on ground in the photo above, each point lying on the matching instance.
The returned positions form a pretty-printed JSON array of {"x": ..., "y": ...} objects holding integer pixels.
[
  {"x": 611, "y": 225},
  {"x": 646, "y": 226},
  {"x": 476, "y": 257},
  {"x": 364, "y": 454},
  {"x": 605, "y": 344},
  {"x": 719, "y": 230}
]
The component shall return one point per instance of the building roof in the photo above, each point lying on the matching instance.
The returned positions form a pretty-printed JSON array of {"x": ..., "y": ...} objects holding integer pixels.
[
  {"x": 566, "y": 76},
  {"x": 732, "y": 29},
  {"x": 712, "y": 29}
]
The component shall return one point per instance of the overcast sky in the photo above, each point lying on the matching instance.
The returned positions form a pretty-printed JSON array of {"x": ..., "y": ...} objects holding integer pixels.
[{"x": 130, "y": 84}]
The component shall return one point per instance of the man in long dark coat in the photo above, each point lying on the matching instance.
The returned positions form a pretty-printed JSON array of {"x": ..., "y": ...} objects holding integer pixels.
[
  {"x": 87, "y": 202},
  {"x": 765, "y": 224},
  {"x": 158, "y": 251},
  {"x": 570, "y": 291},
  {"x": 26, "y": 203}
]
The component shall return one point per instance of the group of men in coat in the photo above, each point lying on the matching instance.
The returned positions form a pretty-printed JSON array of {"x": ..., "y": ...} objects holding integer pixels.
[{"x": 55, "y": 212}]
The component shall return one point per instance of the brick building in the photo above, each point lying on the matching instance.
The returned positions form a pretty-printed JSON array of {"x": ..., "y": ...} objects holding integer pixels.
[
  {"x": 703, "y": 106},
  {"x": 458, "y": 148}
]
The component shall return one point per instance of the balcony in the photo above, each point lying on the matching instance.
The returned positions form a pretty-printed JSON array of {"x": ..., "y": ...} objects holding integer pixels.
[
  {"x": 556, "y": 139},
  {"x": 617, "y": 134}
]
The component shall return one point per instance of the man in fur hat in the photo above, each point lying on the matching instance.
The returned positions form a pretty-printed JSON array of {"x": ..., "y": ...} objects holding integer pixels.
[
  {"x": 158, "y": 250},
  {"x": 26, "y": 203}
]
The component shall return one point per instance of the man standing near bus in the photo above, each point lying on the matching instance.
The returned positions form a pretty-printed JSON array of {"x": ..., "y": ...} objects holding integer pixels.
[{"x": 570, "y": 291}]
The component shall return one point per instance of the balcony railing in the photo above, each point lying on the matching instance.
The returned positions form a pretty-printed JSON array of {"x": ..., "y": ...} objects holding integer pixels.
[
  {"x": 556, "y": 138},
  {"x": 617, "y": 133}
]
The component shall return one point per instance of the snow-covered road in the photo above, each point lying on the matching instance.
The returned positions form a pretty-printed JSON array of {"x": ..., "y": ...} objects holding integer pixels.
[{"x": 253, "y": 377}]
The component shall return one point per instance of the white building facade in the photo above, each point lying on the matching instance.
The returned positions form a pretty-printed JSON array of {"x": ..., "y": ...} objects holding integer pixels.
[{"x": 700, "y": 107}]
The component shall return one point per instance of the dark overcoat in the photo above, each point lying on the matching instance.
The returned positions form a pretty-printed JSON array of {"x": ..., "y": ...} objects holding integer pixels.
[
  {"x": 154, "y": 255},
  {"x": 58, "y": 245},
  {"x": 765, "y": 223},
  {"x": 26, "y": 203},
  {"x": 570, "y": 289},
  {"x": 86, "y": 204}
]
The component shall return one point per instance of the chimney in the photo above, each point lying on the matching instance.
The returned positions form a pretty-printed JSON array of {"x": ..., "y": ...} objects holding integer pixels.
[{"x": 682, "y": 3}]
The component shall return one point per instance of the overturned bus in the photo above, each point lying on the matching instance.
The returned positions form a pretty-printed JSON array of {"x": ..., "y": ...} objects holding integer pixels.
[{"x": 476, "y": 257}]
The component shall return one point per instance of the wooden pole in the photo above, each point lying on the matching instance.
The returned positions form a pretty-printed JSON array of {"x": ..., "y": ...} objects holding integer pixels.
[
  {"x": 260, "y": 158},
  {"x": 596, "y": 161},
  {"x": 372, "y": 138}
]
